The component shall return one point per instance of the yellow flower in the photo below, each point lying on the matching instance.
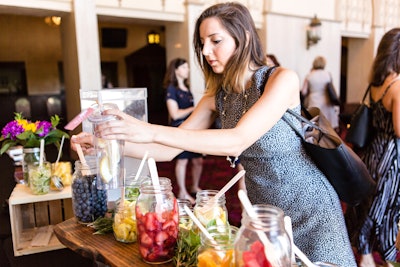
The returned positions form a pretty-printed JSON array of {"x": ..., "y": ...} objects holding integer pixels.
[{"x": 28, "y": 126}]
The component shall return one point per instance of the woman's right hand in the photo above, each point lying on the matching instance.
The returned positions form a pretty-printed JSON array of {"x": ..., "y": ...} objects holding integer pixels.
[{"x": 85, "y": 140}]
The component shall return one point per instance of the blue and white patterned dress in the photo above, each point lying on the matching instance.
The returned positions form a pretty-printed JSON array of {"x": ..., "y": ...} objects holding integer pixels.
[
  {"x": 382, "y": 160},
  {"x": 279, "y": 172}
]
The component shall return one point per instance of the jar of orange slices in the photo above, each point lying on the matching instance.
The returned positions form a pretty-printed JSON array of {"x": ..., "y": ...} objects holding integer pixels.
[{"x": 220, "y": 250}]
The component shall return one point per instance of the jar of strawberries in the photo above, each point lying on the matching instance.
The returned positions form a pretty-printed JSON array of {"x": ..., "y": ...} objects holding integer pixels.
[{"x": 157, "y": 221}]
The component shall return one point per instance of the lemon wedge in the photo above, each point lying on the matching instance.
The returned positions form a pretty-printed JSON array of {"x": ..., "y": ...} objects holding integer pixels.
[
  {"x": 105, "y": 171},
  {"x": 216, "y": 213}
]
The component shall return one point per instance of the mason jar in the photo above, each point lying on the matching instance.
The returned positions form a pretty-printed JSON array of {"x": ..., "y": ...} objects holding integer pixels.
[
  {"x": 188, "y": 239},
  {"x": 30, "y": 156},
  {"x": 209, "y": 213},
  {"x": 124, "y": 225},
  {"x": 39, "y": 177},
  {"x": 157, "y": 221},
  {"x": 220, "y": 251},
  {"x": 88, "y": 202},
  {"x": 264, "y": 238}
]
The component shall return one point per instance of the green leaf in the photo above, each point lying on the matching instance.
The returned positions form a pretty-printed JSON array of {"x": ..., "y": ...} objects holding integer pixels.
[
  {"x": 55, "y": 120},
  {"x": 6, "y": 145}
]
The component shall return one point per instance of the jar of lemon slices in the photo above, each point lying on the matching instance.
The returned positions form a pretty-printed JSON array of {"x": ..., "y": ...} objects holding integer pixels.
[
  {"x": 210, "y": 211},
  {"x": 124, "y": 225}
]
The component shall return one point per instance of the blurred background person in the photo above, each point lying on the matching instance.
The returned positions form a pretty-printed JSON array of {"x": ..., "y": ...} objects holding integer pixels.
[
  {"x": 180, "y": 105},
  {"x": 314, "y": 92},
  {"x": 373, "y": 224}
]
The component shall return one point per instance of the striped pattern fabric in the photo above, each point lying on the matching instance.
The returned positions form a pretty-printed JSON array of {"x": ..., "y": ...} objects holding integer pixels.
[{"x": 379, "y": 230}]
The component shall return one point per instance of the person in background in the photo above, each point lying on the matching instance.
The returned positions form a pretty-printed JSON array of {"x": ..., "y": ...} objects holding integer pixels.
[
  {"x": 106, "y": 84},
  {"x": 376, "y": 230},
  {"x": 250, "y": 99},
  {"x": 180, "y": 105},
  {"x": 272, "y": 61},
  {"x": 315, "y": 94}
]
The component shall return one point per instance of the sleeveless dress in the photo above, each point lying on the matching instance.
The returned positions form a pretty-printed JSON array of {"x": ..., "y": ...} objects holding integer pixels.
[
  {"x": 382, "y": 160},
  {"x": 184, "y": 99},
  {"x": 279, "y": 172}
]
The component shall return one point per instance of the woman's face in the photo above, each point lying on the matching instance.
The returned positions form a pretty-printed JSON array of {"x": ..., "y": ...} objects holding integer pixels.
[
  {"x": 182, "y": 71},
  {"x": 218, "y": 44}
]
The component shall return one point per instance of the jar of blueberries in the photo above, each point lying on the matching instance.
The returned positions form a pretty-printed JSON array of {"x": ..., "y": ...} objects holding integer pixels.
[{"x": 88, "y": 201}]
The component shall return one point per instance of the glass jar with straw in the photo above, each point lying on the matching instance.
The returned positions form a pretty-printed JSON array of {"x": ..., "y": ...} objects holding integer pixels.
[
  {"x": 157, "y": 218},
  {"x": 262, "y": 236},
  {"x": 124, "y": 225},
  {"x": 39, "y": 174},
  {"x": 219, "y": 249},
  {"x": 88, "y": 201}
]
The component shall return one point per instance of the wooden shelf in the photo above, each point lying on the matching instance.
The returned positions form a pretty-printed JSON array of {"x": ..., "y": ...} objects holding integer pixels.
[{"x": 31, "y": 214}]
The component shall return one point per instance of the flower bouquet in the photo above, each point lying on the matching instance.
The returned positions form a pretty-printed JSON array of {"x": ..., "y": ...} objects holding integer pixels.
[{"x": 28, "y": 134}]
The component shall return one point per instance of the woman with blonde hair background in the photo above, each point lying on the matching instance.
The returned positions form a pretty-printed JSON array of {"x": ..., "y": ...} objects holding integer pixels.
[{"x": 315, "y": 94}]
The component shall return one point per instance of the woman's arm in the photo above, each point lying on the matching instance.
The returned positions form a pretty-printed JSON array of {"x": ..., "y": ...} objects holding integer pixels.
[
  {"x": 175, "y": 112},
  {"x": 281, "y": 92},
  {"x": 304, "y": 89}
]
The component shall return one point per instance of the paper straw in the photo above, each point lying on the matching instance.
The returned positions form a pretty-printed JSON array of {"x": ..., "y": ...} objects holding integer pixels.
[
  {"x": 60, "y": 150},
  {"x": 199, "y": 225},
  {"x": 156, "y": 182},
  {"x": 139, "y": 171},
  {"x": 303, "y": 257},
  {"x": 288, "y": 227},
  {"x": 100, "y": 101},
  {"x": 212, "y": 201},
  {"x": 121, "y": 204},
  {"x": 82, "y": 159},
  {"x": 263, "y": 238},
  {"x": 41, "y": 153}
]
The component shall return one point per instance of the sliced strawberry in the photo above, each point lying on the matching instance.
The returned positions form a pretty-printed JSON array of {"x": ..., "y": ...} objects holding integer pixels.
[
  {"x": 151, "y": 222},
  {"x": 161, "y": 237},
  {"x": 143, "y": 251},
  {"x": 145, "y": 240}
]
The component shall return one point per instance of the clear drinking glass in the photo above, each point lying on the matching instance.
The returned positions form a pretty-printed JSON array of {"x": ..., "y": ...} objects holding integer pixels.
[
  {"x": 39, "y": 177},
  {"x": 109, "y": 153}
]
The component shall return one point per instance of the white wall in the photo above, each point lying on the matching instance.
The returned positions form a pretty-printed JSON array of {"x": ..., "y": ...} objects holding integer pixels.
[{"x": 286, "y": 39}]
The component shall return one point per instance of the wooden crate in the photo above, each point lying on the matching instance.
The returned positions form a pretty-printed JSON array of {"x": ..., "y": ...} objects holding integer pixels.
[{"x": 31, "y": 214}]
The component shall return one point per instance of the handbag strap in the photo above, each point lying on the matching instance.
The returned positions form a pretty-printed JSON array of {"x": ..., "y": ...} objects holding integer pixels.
[
  {"x": 366, "y": 93},
  {"x": 302, "y": 119}
]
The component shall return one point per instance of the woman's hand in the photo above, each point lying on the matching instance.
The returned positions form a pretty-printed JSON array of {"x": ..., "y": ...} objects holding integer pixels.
[
  {"x": 126, "y": 128},
  {"x": 85, "y": 140}
]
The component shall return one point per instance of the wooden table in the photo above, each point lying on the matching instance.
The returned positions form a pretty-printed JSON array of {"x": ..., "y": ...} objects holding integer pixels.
[{"x": 99, "y": 248}]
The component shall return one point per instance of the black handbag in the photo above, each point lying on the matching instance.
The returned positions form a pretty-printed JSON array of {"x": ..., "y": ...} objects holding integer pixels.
[
  {"x": 341, "y": 165},
  {"x": 333, "y": 97},
  {"x": 360, "y": 131}
]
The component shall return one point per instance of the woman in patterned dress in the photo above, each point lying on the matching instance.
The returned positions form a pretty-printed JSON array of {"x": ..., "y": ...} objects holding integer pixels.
[
  {"x": 278, "y": 170},
  {"x": 379, "y": 229}
]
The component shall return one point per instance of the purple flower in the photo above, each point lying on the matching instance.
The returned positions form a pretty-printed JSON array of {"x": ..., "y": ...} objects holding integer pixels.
[
  {"x": 11, "y": 130},
  {"x": 43, "y": 128}
]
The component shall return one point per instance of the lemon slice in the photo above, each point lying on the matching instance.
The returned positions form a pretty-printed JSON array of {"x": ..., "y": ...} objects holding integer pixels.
[
  {"x": 105, "y": 171},
  {"x": 216, "y": 213}
]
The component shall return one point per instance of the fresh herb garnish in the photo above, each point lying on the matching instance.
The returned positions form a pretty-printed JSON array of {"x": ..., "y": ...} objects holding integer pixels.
[
  {"x": 186, "y": 249},
  {"x": 102, "y": 225}
]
